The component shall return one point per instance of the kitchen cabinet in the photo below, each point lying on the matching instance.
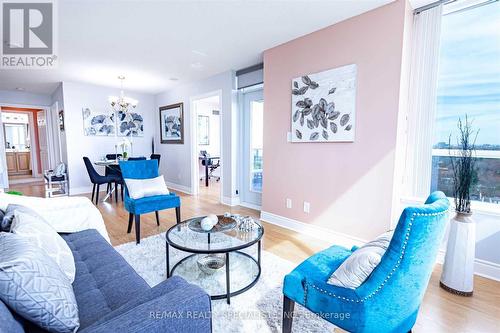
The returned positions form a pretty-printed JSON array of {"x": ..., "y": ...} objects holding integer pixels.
[{"x": 19, "y": 163}]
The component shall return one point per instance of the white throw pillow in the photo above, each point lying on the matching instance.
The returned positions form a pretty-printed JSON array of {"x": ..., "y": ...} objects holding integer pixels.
[
  {"x": 361, "y": 263},
  {"x": 141, "y": 188},
  {"x": 39, "y": 232}
]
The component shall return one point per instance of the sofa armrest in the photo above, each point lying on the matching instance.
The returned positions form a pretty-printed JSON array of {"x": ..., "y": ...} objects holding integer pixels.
[{"x": 172, "y": 306}]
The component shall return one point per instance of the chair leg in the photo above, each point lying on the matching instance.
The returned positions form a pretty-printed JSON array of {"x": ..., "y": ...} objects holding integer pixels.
[
  {"x": 178, "y": 214},
  {"x": 93, "y": 193},
  {"x": 288, "y": 306},
  {"x": 108, "y": 188},
  {"x": 116, "y": 192},
  {"x": 121, "y": 186},
  {"x": 137, "y": 228},
  {"x": 157, "y": 218},
  {"x": 130, "y": 221},
  {"x": 97, "y": 195}
]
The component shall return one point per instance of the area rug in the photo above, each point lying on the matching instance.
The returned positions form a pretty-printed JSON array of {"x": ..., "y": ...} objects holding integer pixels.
[{"x": 256, "y": 310}]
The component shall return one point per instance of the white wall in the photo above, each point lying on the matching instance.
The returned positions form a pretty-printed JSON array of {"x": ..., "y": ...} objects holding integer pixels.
[
  {"x": 178, "y": 156},
  {"x": 58, "y": 96},
  {"x": 79, "y": 95},
  {"x": 24, "y": 98}
]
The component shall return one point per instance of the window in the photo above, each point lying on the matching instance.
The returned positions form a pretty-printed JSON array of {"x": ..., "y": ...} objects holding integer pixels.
[
  {"x": 469, "y": 83},
  {"x": 256, "y": 130}
]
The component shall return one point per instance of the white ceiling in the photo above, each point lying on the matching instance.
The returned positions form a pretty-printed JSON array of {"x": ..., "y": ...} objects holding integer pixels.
[{"x": 151, "y": 42}]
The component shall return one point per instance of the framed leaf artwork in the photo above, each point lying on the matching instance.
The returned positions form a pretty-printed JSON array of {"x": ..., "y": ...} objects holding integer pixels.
[{"x": 172, "y": 123}]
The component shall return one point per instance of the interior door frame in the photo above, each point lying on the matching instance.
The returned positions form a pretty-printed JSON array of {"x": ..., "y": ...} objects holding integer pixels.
[
  {"x": 45, "y": 108},
  {"x": 193, "y": 113}
]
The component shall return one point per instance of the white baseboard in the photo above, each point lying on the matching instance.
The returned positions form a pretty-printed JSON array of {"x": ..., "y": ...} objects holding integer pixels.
[
  {"x": 482, "y": 268},
  {"x": 178, "y": 187},
  {"x": 83, "y": 190},
  {"x": 231, "y": 201},
  {"x": 250, "y": 205},
  {"x": 322, "y": 233}
]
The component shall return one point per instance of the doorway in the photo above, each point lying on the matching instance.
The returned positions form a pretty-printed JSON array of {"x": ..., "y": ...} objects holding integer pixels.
[
  {"x": 22, "y": 145},
  {"x": 206, "y": 145},
  {"x": 252, "y": 122}
]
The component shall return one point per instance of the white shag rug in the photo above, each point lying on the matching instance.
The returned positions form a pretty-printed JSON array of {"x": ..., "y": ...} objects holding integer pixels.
[{"x": 259, "y": 309}]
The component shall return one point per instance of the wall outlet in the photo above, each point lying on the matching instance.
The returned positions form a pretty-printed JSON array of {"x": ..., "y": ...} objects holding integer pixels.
[
  {"x": 288, "y": 203},
  {"x": 307, "y": 207}
]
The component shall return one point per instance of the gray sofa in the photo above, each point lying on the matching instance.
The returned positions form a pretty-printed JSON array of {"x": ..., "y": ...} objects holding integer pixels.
[{"x": 112, "y": 297}]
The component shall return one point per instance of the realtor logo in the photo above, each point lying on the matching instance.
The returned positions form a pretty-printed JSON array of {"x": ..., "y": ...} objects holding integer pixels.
[{"x": 28, "y": 34}]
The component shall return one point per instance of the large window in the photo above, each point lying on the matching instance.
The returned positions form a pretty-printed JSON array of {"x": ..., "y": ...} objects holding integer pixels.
[{"x": 469, "y": 83}]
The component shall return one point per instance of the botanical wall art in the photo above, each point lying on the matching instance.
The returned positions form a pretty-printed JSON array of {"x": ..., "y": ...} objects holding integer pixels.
[
  {"x": 323, "y": 106},
  {"x": 172, "y": 123},
  {"x": 98, "y": 123},
  {"x": 130, "y": 124}
]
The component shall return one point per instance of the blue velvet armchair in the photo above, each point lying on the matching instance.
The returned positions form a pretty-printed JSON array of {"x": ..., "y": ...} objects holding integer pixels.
[
  {"x": 144, "y": 169},
  {"x": 389, "y": 299}
]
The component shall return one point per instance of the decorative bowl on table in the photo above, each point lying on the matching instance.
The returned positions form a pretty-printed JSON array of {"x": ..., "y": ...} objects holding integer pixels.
[
  {"x": 224, "y": 223},
  {"x": 211, "y": 263}
]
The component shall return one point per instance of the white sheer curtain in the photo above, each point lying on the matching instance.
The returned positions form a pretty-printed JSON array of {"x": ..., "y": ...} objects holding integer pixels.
[{"x": 422, "y": 102}]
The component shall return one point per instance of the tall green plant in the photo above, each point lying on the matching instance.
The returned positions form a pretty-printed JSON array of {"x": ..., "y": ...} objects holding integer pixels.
[{"x": 463, "y": 163}]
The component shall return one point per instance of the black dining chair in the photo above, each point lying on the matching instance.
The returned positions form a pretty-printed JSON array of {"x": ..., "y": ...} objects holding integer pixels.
[
  {"x": 156, "y": 157},
  {"x": 114, "y": 171},
  {"x": 98, "y": 180}
]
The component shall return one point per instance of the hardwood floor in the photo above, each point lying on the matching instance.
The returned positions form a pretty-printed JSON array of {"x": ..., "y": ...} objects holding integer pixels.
[{"x": 440, "y": 310}]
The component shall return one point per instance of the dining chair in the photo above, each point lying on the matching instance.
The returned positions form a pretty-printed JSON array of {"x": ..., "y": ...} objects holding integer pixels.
[
  {"x": 98, "y": 180},
  {"x": 389, "y": 299},
  {"x": 140, "y": 158},
  {"x": 156, "y": 157},
  {"x": 146, "y": 169},
  {"x": 112, "y": 170}
]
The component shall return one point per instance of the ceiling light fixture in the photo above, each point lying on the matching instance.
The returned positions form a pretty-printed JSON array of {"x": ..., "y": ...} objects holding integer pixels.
[
  {"x": 122, "y": 103},
  {"x": 20, "y": 89}
]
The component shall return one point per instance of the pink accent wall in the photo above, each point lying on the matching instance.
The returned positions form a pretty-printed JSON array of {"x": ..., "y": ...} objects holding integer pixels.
[{"x": 349, "y": 185}]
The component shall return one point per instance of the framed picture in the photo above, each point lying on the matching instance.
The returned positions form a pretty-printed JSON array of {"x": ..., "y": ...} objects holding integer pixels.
[
  {"x": 172, "y": 123},
  {"x": 61, "y": 120},
  {"x": 204, "y": 130},
  {"x": 98, "y": 123},
  {"x": 130, "y": 124},
  {"x": 323, "y": 106}
]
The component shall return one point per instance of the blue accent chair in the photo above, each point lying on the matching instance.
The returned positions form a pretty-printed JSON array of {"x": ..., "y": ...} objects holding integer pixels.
[
  {"x": 389, "y": 299},
  {"x": 144, "y": 169}
]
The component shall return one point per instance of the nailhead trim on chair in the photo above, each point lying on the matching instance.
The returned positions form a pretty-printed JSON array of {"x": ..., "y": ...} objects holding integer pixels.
[{"x": 387, "y": 277}]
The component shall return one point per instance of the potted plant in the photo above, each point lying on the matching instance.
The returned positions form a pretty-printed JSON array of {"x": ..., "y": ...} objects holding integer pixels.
[{"x": 458, "y": 268}]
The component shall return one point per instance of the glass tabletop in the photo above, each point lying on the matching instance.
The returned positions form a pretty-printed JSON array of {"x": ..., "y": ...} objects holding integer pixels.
[{"x": 182, "y": 237}]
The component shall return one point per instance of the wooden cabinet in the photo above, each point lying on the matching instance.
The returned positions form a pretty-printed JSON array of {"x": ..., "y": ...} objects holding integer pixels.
[
  {"x": 19, "y": 163},
  {"x": 11, "y": 162}
]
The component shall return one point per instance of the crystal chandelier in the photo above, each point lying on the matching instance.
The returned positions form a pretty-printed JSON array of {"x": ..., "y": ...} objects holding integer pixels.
[{"x": 122, "y": 103}]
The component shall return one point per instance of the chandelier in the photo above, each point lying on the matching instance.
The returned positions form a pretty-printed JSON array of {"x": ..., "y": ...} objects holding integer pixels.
[{"x": 122, "y": 103}]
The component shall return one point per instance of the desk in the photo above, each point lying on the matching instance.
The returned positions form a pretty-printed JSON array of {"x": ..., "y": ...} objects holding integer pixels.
[{"x": 207, "y": 159}]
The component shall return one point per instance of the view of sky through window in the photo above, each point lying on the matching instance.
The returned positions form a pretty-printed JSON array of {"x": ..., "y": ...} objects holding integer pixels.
[{"x": 469, "y": 73}]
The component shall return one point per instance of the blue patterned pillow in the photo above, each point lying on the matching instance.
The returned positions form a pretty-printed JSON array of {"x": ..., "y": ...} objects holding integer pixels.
[{"x": 33, "y": 285}]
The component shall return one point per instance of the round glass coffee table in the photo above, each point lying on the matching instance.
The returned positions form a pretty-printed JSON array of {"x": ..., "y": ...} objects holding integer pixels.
[{"x": 220, "y": 261}]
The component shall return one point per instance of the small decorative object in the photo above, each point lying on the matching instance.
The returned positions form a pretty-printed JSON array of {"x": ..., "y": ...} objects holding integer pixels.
[
  {"x": 207, "y": 224},
  {"x": 203, "y": 130},
  {"x": 223, "y": 224},
  {"x": 98, "y": 123},
  {"x": 172, "y": 123},
  {"x": 458, "y": 268},
  {"x": 61, "y": 120},
  {"x": 246, "y": 224},
  {"x": 227, "y": 214},
  {"x": 213, "y": 218},
  {"x": 323, "y": 106},
  {"x": 211, "y": 263}
]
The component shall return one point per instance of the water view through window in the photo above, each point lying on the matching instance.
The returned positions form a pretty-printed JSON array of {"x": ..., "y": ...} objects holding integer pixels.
[{"x": 469, "y": 83}]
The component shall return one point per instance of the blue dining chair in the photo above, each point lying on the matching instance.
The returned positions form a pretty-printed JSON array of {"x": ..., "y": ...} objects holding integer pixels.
[
  {"x": 389, "y": 299},
  {"x": 145, "y": 169}
]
